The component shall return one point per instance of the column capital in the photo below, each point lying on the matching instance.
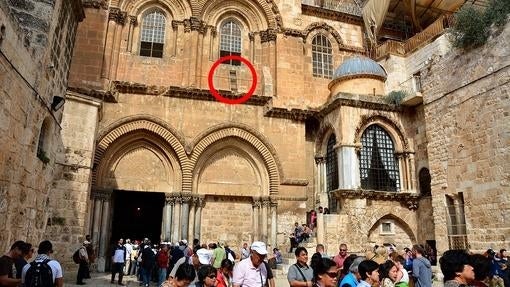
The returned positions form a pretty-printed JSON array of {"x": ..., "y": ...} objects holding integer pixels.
[
  {"x": 169, "y": 198},
  {"x": 186, "y": 198},
  {"x": 320, "y": 159},
  {"x": 133, "y": 20},
  {"x": 201, "y": 201},
  {"x": 266, "y": 202},
  {"x": 101, "y": 194},
  {"x": 117, "y": 15}
]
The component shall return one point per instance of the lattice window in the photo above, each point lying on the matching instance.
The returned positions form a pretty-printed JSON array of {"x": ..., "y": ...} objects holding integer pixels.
[
  {"x": 322, "y": 57},
  {"x": 378, "y": 163},
  {"x": 331, "y": 173},
  {"x": 456, "y": 223},
  {"x": 153, "y": 34},
  {"x": 230, "y": 41}
]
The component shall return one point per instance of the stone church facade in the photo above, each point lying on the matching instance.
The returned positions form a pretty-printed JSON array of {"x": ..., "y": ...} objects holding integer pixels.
[{"x": 139, "y": 119}]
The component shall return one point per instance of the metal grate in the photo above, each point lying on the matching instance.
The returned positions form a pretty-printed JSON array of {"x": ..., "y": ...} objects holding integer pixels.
[
  {"x": 153, "y": 34},
  {"x": 378, "y": 164},
  {"x": 456, "y": 224},
  {"x": 322, "y": 57},
  {"x": 331, "y": 172},
  {"x": 230, "y": 41}
]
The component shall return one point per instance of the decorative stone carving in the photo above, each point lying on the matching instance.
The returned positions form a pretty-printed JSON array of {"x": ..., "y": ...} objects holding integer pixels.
[
  {"x": 251, "y": 36},
  {"x": 103, "y": 4},
  {"x": 256, "y": 203},
  {"x": 410, "y": 200},
  {"x": 117, "y": 15},
  {"x": 187, "y": 25},
  {"x": 320, "y": 159},
  {"x": 213, "y": 30},
  {"x": 197, "y": 25},
  {"x": 133, "y": 20},
  {"x": 169, "y": 198},
  {"x": 176, "y": 23},
  {"x": 101, "y": 194},
  {"x": 186, "y": 198},
  {"x": 267, "y": 36}
]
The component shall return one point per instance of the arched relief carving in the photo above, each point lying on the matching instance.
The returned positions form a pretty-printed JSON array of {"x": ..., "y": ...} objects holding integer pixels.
[
  {"x": 231, "y": 160},
  {"x": 260, "y": 15},
  {"x": 394, "y": 129},
  {"x": 246, "y": 134},
  {"x": 322, "y": 26},
  {"x": 166, "y": 137},
  {"x": 401, "y": 221},
  {"x": 139, "y": 140},
  {"x": 178, "y": 9}
]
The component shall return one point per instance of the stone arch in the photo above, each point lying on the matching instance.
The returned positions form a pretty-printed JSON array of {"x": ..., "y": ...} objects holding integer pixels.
[
  {"x": 116, "y": 134},
  {"x": 394, "y": 129},
  {"x": 259, "y": 15},
  {"x": 401, "y": 221},
  {"x": 314, "y": 28},
  {"x": 250, "y": 170},
  {"x": 251, "y": 137},
  {"x": 178, "y": 9},
  {"x": 325, "y": 131},
  {"x": 160, "y": 161}
]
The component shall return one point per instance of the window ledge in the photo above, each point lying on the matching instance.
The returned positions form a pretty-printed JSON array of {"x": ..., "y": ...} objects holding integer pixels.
[{"x": 410, "y": 200}]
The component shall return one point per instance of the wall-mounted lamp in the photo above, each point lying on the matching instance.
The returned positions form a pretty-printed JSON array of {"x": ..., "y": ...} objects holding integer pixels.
[{"x": 57, "y": 103}]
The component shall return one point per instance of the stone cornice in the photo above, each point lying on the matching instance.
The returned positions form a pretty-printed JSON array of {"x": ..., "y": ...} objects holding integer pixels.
[
  {"x": 410, "y": 200},
  {"x": 331, "y": 14},
  {"x": 295, "y": 182},
  {"x": 107, "y": 96},
  {"x": 359, "y": 101},
  {"x": 97, "y": 4},
  {"x": 291, "y": 114}
]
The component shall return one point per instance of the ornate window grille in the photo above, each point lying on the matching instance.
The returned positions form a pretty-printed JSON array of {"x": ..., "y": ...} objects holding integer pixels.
[
  {"x": 230, "y": 41},
  {"x": 378, "y": 163},
  {"x": 153, "y": 34},
  {"x": 456, "y": 223},
  {"x": 322, "y": 57},
  {"x": 331, "y": 171}
]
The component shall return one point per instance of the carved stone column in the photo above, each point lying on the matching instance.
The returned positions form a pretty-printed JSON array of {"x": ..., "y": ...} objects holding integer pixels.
[
  {"x": 186, "y": 198},
  {"x": 272, "y": 238},
  {"x": 198, "y": 216},
  {"x": 176, "y": 220},
  {"x": 96, "y": 224},
  {"x": 169, "y": 205},
  {"x": 256, "y": 214},
  {"x": 348, "y": 167},
  {"x": 105, "y": 230},
  {"x": 132, "y": 25},
  {"x": 320, "y": 188},
  {"x": 191, "y": 224},
  {"x": 265, "y": 207},
  {"x": 401, "y": 170}
]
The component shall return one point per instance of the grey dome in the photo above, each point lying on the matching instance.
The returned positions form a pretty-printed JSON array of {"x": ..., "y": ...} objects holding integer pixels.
[{"x": 359, "y": 66}]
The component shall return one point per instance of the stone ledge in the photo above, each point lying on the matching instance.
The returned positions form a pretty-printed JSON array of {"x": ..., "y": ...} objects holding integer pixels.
[{"x": 410, "y": 200}]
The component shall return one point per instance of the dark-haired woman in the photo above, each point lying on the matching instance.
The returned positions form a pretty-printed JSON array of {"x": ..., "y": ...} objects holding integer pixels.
[
  {"x": 324, "y": 273},
  {"x": 225, "y": 273},
  {"x": 184, "y": 275},
  {"x": 388, "y": 272},
  {"x": 206, "y": 276}
]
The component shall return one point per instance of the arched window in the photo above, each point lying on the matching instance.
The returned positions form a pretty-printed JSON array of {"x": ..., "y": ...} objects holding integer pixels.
[
  {"x": 331, "y": 172},
  {"x": 230, "y": 41},
  {"x": 424, "y": 177},
  {"x": 322, "y": 57},
  {"x": 153, "y": 34},
  {"x": 43, "y": 141},
  {"x": 378, "y": 163}
]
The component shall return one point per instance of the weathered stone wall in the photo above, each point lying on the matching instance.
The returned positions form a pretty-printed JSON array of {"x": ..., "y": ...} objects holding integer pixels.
[
  {"x": 68, "y": 210},
  {"x": 35, "y": 45},
  {"x": 467, "y": 108}
]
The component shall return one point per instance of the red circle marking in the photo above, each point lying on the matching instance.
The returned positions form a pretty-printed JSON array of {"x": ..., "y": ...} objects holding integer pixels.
[{"x": 217, "y": 95}]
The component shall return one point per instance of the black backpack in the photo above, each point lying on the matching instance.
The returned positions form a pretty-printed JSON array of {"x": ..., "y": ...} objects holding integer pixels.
[
  {"x": 39, "y": 274},
  {"x": 76, "y": 256}
]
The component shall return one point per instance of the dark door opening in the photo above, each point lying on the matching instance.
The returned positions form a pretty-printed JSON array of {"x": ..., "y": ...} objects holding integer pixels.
[{"x": 137, "y": 215}]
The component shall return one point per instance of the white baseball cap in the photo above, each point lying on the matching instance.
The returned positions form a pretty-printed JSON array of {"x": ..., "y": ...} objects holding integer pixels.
[
  {"x": 204, "y": 256},
  {"x": 259, "y": 247}
]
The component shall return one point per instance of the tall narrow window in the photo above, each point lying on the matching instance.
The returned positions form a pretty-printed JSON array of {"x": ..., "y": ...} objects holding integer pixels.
[
  {"x": 378, "y": 163},
  {"x": 153, "y": 34},
  {"x": 230, "y": 41},
  {"x": 424, "y": 177},
  {"x": 331, "y": 172},
  {"x": 322, "y": 57}
]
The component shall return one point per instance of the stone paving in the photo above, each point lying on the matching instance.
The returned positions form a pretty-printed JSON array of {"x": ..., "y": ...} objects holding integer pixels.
[{"x": 103, "y": 280}]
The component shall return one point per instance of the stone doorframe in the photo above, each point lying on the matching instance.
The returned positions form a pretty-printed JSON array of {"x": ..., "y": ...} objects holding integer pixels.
[
  {"x": 100, "y": 224},
  {"x": 182, "y": 217}
]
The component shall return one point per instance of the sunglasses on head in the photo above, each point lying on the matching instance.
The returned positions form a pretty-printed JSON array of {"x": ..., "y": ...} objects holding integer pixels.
[{"x": 332, "y": 274}]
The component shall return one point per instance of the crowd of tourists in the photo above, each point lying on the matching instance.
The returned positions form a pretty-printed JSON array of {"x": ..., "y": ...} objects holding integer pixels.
[{"x": 216, "y": 265}]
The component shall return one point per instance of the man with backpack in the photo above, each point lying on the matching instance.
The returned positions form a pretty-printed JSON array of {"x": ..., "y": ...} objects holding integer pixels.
[
  {"x": 43, "y": 271},
  {"x": 83, "y": 260}
]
